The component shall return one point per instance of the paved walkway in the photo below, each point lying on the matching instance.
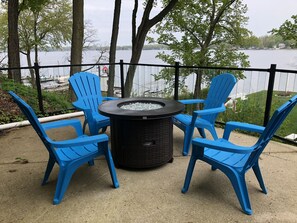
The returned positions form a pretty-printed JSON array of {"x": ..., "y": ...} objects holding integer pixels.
[{"x": 143, "y": 196}]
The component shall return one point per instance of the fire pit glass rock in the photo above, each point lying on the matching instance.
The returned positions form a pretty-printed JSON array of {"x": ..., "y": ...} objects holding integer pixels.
[{"x": 141, "y": 106}]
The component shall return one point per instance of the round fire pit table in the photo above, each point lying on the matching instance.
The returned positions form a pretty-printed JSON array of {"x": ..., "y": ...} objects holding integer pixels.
[{"x": 141, "y": 130}]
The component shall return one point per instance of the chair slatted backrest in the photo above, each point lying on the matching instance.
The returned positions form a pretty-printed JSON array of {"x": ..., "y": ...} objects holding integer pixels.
[
  {"x": 87, "y": 87},
  {"x": 220, "y": 88},
  {"x": 274, "y": 123},
  {"x": 32, "y": 118}
]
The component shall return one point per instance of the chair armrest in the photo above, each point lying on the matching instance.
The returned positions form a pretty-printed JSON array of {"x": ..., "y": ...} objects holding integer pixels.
[
  {"x": 191, "y": 101},
  {"x": 79, "y": 104},
  {"x": 109, "y": 98},
  {"x": 84, "y": 140},
  {"x": 210, "y": 111},
  {"x": 222, "y": 145},
  {"x": 230, "y": 126},
  {"x": 75, "y": 123}
]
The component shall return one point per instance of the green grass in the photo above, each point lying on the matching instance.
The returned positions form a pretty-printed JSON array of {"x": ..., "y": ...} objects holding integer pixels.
[{"x": 252, "y": 111}]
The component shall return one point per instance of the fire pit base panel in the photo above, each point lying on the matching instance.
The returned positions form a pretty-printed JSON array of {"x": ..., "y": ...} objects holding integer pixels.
[{"x": 141, "y": 143}]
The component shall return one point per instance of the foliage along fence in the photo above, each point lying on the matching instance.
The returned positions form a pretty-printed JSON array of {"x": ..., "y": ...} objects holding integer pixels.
[{"x": 252, "y": 100}]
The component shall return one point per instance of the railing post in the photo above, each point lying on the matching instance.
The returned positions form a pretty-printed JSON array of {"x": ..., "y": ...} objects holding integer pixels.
[
  {"x": 269, "y": 93},
  {"x": 38, "y": 86},
  {"x": 99, "y": 71},
  {"x": 176, "y": 80},
  {"x": 122, "y": 78}
]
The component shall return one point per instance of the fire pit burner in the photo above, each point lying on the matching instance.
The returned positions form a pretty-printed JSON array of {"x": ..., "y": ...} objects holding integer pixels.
[{"x": 141, "y": 130}]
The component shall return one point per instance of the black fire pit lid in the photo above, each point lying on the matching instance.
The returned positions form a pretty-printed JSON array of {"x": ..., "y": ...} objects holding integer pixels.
[{"x": 167, "y": 108}]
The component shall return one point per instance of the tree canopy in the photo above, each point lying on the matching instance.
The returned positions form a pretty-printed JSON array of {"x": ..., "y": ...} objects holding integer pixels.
[
  {"x": 203, "y": 33},
  {"x": 46, "y": 26},
  {"x": 42, "y": 23},
  {"x": 288, "y": 31}
]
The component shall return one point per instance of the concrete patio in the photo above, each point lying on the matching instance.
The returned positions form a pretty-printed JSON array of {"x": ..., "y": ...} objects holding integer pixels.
[{"x": 152, "y": 195}]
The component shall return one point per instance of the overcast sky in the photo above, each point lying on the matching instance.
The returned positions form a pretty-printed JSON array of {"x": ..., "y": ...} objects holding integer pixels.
[{"x": 264, "y": 15}]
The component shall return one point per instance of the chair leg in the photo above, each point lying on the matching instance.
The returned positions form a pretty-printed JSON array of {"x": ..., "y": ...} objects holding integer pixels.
[
  {"x": 213, "y": 133},
  {"x": 64, "y": 178},
  {"x": 201, "y": 132},
  {"x": 239, "y": 185},
  {"x": 189, "y": 174},
  {"x": 49, "y": 168},
  {"x": 258, "y": 174},
  {"x": 188, "y": 135},
  {"x": 187, "y": 143},
  {"x": 94, "y": 130},
  {"x": 211, "y": 130},
  {"x": 103, "y": 130},
  {"x": 213, "y": 168},
  {"x": 91, "y": 162},
  {"x": 111, "y": 167},
  {"x": 84, "y": 126}
]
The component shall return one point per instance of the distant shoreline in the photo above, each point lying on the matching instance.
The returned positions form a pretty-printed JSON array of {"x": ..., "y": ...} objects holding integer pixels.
[{"x": 151, "y": 47}]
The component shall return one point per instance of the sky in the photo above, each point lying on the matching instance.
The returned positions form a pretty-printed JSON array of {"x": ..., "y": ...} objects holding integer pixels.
[{"x": 264, "y": 15}]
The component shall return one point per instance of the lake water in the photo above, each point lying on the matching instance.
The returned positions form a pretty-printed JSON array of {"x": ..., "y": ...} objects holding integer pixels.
[{"x": 285, "y": 59}]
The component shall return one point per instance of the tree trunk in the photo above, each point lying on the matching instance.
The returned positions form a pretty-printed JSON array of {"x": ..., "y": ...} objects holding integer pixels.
[
  {"x": 77, "y": 35},
  {"x": 197, "y": 90},
  {"x": 13, "y": 41},
  {"x": 113, "y": 46},
  {"x": 77, "y": 38},
  {"x": 136, "y": 54},
  {"x": 199, "y": 74},
  {"x": 138, "y": 38},
  {"x": 35, "y": 37},
  {"x": 32, "y": 76}
]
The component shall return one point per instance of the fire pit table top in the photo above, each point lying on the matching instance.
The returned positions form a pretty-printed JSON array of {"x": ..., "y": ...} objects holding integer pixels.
[{"x": 141, "y": 108}]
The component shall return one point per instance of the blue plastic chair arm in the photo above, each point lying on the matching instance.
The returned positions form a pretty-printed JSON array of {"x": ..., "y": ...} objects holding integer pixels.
[
  {"x": 191, "y": 101},
  {"x": 75, "y": 123},
  {"x": 79, "y": 141},
  {"x": 230, "y": 126},
  {"x": 222, "y": 145},
  {"x": 79, "y": 104},
  {"x": 210, "y": 111},
  {"x": 109, "y": 98}
]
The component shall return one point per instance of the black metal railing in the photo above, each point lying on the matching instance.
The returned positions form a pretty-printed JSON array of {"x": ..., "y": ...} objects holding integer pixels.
[{"x": 122, "y": 67}]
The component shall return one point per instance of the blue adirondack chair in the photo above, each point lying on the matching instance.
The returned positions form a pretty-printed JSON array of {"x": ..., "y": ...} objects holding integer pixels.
[
  {"x": 235, "y": 160},
  {"x": 68, "y": 154},
  {"x": 219, "y": 90},
  {"x": 86, "y": 87}
]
